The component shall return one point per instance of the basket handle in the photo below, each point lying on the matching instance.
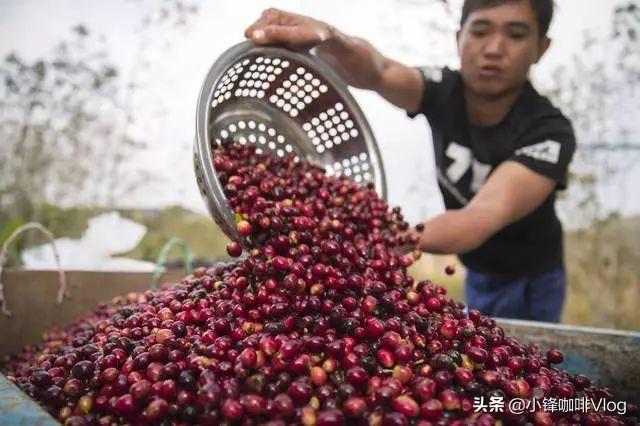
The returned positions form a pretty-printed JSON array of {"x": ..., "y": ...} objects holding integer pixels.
[
  {"x": 162, "y": 257},
  {"x": 62, "y": 290}
]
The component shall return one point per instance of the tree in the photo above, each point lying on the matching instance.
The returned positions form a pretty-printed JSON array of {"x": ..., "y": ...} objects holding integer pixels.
[
  {"x": 598, "y": 91},
  {"x": 67, "y": 122},
  {"x": 61, "y": 128}
]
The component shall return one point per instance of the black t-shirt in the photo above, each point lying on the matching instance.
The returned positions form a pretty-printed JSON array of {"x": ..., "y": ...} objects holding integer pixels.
[{"x": 535, "y": 134}]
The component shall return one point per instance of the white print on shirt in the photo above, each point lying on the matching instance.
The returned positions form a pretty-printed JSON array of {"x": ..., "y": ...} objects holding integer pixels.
[
  {"x": 432, "y": 73},
  {"x": 480, "y": 172},
  {"x": 444, "y": 181},
  {"x": 548, "y": 151},
  {"x": 462, "y": 158}
]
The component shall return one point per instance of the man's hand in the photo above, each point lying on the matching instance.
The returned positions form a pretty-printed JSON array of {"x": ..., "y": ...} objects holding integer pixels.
[
  {"x": 354, "y": 59},
  {"x": 295, "y": 31},
  {"x": 408, "y": 240},
  {"x": 357, "y": 62}
]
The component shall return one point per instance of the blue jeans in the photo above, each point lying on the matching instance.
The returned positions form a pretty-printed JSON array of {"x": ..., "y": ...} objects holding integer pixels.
[{"x": 538, "y": 298}]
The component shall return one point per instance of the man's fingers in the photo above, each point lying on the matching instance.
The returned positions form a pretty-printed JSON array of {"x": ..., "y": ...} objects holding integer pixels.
[
  {"x": 279, "y": 27},
  {"x": 293, "y": 36},
  {"x": 259, "y": 24},
  {"x": 271, "y": 13},
  {"x": 269, "y": 17},
  {"x": 250, "y": 29},
  {"x": 404, "y": 249}
]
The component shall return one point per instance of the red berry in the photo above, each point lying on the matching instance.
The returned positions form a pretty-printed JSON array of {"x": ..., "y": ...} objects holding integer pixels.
[
  {"x": 318, "y": 376},
  {"x": 244, "y": 228},
  {"x": 425, "y": 389},
  {"x": 385, "y": 357},
  {"x": 232, "y": 409},
  {"x": 463, "y": 375},
  {"x": 406, "y": 405},
  {"x": 450, "y": 400},
  {"x": 125, "y": 406},
  {"x": 248, "y": 357},
  {"x": 234, "y": 249},
  {"x": 431, "y": 410},
  {"x": 156, "y": 410},
  {"x": 477, "y": 354},
  {"x": 330, "y": 418},
  {"x": 354, "y": 407},
  {"x": 555, "y": 356}
]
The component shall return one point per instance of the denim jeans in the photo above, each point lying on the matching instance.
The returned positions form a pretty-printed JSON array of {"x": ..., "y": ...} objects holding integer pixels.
[{"x": 538, "y": 298}]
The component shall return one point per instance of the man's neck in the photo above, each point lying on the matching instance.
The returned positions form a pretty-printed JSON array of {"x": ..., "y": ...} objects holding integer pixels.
[{"x": 489, "y": 110}]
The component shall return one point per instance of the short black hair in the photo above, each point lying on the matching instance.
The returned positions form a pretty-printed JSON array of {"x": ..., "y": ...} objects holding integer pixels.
[{"x": 542, "y": 8}]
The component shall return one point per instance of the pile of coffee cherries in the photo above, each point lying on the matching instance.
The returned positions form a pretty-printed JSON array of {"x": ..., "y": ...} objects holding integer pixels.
[{"x": 318, "y": 323}]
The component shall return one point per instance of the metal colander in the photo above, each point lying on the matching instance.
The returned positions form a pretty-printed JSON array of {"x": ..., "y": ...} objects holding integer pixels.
[{"x": 283, "y": 102}]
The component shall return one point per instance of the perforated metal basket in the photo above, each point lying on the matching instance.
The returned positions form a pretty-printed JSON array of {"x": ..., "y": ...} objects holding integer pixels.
[{"x": 284, "y": 102}]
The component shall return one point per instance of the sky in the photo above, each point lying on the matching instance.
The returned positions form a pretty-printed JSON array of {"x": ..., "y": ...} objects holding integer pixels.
[{"x": 179, "y": 59}]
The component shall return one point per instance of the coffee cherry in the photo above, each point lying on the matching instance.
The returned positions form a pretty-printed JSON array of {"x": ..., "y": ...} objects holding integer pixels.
[
  {"x": 555, "y": 356},
  {"x": 320, "y": 323},
  {"x": 234, "y": 249}
]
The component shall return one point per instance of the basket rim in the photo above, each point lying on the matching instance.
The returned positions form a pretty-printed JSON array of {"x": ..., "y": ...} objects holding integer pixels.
[{"x": 202, "y": 144}]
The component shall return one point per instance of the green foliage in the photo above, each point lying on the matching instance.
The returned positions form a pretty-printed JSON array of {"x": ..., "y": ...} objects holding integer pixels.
[
  {"x": 7, "y": 226},
  {"x": 205, "y": 240},
  {"x": 69, "y": 222},
  {"x": 52, "y": 111},
  {"x": 62, "y": 222},
  {"x": 603, "y": 267},
  {"x": 203, "y": 236}
]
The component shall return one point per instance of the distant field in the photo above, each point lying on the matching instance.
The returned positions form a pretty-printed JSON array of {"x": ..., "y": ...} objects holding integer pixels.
[{"x": 603, "y": 268}]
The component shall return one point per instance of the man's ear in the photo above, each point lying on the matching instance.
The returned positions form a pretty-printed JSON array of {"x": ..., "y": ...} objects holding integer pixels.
[
  {"x": 458, "y": 41},
  {"x": 545, "y": 42}
]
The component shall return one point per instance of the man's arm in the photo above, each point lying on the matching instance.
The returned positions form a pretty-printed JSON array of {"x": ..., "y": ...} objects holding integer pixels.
[
  {"x": 355, "y": 59},
  {"x": 512, "y": 192}
]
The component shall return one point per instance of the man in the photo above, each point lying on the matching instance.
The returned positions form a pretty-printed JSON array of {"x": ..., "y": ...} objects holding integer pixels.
[{"x": 501, "y": 149}]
